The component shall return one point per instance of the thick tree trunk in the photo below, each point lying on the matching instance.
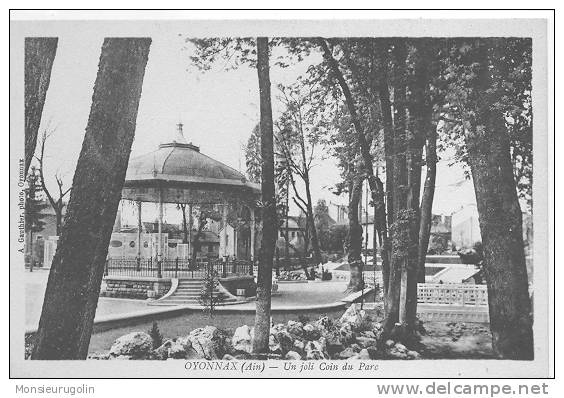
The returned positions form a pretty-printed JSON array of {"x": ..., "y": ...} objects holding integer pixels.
[
  {"x": 354, "y": 238},
  {"x": 269, "y": 223},
  {"x": 489, "y": 157},
  {"x": 74, "y": 282},
  {"x": 427, "y": 201},
  {"x": 387, "y": 210},
  {"x": 502, "y": 239},
  {"x": 420, "y": 114},
  {"x": 399, "y": 226},
  {"x": 39, "y": 56}
]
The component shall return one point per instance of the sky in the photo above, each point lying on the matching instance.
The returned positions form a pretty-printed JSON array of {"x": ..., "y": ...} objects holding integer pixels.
[{"x": 218, "y": 108}]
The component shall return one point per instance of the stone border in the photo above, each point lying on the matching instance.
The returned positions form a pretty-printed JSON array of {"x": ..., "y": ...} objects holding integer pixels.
[
  {"x": 117, "y": 319},
  {"x": 351, "y": 298},
  {"x": 173, "y": 287}
]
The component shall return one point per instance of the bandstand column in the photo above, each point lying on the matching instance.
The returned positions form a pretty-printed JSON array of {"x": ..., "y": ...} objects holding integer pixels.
[
  {"x": 224, "y": 221},
  {"x": 252, "y": 235},
  {"x": 139, "y": 229},
  {"x": 160, "y": 238},
  {"x": 190, "y": 222}
]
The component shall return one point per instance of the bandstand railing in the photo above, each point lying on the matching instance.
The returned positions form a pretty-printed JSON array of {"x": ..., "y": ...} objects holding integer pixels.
[
  {"x": 175, "y": 267},
  {"x": 453, "y": 294}
]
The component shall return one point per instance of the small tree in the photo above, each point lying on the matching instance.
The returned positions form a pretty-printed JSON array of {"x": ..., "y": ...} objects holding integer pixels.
[
  {"x": 156, "y": 335},
  {"x": 57, "y": 204},
  {"x": 209, "y": 297},
  {"x": 33, "y": 211},
  {"x": 321, "y": 217}
]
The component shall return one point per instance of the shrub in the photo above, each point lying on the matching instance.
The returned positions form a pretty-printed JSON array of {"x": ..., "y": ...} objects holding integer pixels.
[
  {"x": 209, "y": 297},
  {"x": 326, "y": 275},
  {"x": 156, "y": 335}
]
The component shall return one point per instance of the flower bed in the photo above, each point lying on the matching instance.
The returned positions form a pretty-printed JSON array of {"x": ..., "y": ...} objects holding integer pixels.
[{"x": 291, "y": 276}]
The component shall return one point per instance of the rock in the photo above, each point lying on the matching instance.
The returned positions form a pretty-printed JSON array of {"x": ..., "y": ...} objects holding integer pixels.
[
  {"x": 400, "y": 347},
  {"x": 353, "y": 316},
  {"x": 376, "y": 326},
  {"x": 369, "y": 334},
  {"x": 161, "y": 353},
  {"x": 397, "y": 354},
  {"x": 191, "y": 353},
  {"x": 346, "y": 333},
  {"x": 390, "y": 343},
  {"x": 209, "y": 342},
  {"x": 284, "y": 339},
  {"x": 363, "y": 354},
  {"x": 292, "y": 356},
  {"x": 334, "y": 344},
  {"x": 366, "y": 342},
  {"x": 136, "y": 344},
  {"x": 347, "y": 353},
  {"x": 242, "y": 355},
  {"x": 315, "y": 350},
  {"x": 356, "y": 348},
  {"x": 122, "y": 357},
  {"x": 228, "y": 357},
  {"x": 177, "y": 350},
  {"x": 278, "y": 327},
  {"x": 413, "y": 355},
  {"x": 99, "y": 356},
  {"x": 299, "y": 345},
  {"x": 311, "y": 332},
  {"x": 242, "y": 339},
  {"x": 273, "y": 345},
  {"x": 373, "y": 352},
  {"x": 323, "y": 323},
  {"x": 296, "y": 328}
]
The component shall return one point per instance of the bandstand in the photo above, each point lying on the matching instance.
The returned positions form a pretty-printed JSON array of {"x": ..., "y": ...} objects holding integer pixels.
[{"x": 178, "y": 173}]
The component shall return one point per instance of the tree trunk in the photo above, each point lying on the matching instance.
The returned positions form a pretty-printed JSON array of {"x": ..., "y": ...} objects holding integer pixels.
[
  {"x": 74, "y": 282},
  {"x": 399, "y": 227},
  {"x": 354, "y": 238},
  {"x": 59, "y": 219},
  {"x": 420, "y": 115},
  {"x": 269, "y": 223},
  {"x": 502, "y": 238},
  {"x": 427, "y": 200},
  {"x": 314, "y": 239},
  {"x": 489, "y": 157},
  {"x": 39, "y": 56}
]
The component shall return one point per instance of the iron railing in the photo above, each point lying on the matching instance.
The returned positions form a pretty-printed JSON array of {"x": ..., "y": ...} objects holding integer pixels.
[{"x": 175, "y": 267}]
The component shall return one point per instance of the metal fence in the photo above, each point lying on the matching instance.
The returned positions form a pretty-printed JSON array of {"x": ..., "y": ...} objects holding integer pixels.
[{"x": 175, "y": 267}]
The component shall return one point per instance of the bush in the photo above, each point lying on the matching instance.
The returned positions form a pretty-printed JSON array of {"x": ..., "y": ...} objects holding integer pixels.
[
  {"x": 326, "y": 275},
  {"x": 156, "y": 335}
]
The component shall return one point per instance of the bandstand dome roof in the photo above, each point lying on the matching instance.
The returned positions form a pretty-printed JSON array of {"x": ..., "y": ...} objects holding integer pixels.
[{"x": 180, "y": 173}]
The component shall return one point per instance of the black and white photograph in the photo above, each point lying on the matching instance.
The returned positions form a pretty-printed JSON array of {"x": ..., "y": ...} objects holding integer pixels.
[{"x": 279, "y": 197}]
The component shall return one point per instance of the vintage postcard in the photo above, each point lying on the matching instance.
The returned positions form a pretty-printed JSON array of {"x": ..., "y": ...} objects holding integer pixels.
[{"x": 279, "y": 197}]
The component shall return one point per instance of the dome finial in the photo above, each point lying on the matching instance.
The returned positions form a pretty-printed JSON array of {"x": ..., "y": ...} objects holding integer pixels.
[{"x": 179, "y": 138}]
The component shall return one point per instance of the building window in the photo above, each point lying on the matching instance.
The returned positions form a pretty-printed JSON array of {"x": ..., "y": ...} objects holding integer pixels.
[
  {"x": 210, "y": 248},
  {"x": 132, "y": 243},
  {"x": 115, "y": 243}
]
